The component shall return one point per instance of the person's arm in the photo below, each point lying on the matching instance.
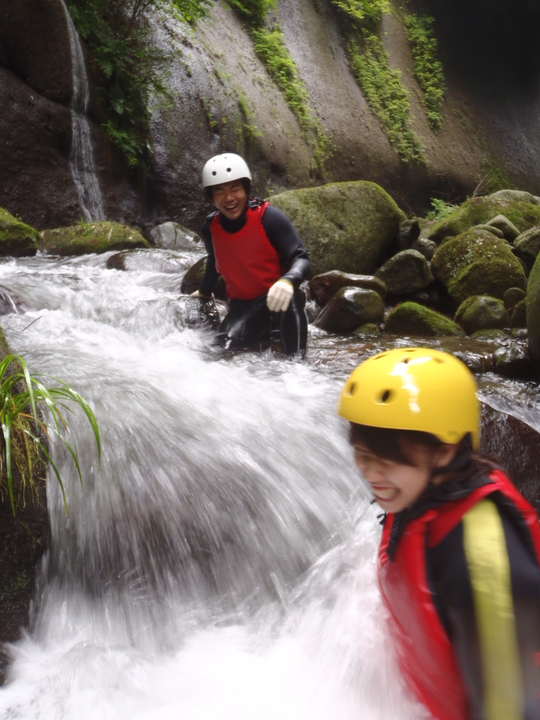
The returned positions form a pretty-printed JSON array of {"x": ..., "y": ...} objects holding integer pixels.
[
  {"x": 210, "y": 274},
  {"x": 487, "y": 587},
  {"x": 286, "y": 240}
]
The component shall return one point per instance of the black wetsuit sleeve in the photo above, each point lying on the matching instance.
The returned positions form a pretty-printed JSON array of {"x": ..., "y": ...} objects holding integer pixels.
[
  {"x": 286, "y": 240},
  {"x": 210, "y": 274},
  {"x": 498, "y": 660}
]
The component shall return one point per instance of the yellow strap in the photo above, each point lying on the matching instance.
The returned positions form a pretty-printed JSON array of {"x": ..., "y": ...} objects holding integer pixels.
[{"x": 489, "y": 569}]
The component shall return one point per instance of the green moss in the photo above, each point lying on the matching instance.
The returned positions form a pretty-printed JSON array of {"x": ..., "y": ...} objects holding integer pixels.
[
  {"x": 427, "y": 68},
  {"x": 489, "y": 335},
  {"x": 95, "y": 237},
  {"x": 16, "y": 238},
  {"x": 362, "y": 13},
  {"x": 385, "y": 94},
  {"x": 440, "y": 209},
  {"x": 410, "y": 318},
  {"x": 495, "y": 177},
  {"x": 478, "y": 211}
]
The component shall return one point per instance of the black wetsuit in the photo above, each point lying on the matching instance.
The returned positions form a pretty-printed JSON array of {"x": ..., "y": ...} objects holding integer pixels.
[{"x": 250, "y": 321}]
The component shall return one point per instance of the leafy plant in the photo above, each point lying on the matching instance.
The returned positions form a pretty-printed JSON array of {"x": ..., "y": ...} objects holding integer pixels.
[
  {"x": 130, "y": 68},
  {"x": 360, "y": 11},
  {"x": 428, "y": 70},
  {"x": 23, "y": 430},
  {"x": 440, "y": 209}
]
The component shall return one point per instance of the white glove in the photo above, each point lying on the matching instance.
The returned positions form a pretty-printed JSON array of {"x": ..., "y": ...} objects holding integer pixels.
[{"x": 279, "y": 296}]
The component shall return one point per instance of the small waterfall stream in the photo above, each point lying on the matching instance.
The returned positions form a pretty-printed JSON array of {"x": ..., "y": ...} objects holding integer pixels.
[
  {"x": 82, "y": 163},
  {"x": 221, "y": 563}
]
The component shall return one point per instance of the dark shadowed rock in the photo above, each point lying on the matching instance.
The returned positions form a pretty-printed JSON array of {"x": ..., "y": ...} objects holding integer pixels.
[
  {"x": 519, "y": 314},
  {"x": 194, "y": 312},
  {"x": 406, "y": 272},
  {"x": 425, "y": 246},
  {"x": 172, "y": 236},
  {"x": 324, "y": 287},
  {"x": 410, "y": 318},
  {"x": 508, "y": 229},
  {"x": 513, "y": 360},
  {"x": 512, "y": 296},
  {"x": 481, "y": 312},
  {"x": 409, "y": 232},
  {"x": 527, "y": 246},
  {"x": 516, "y": 447},
  {"x": 193, "y": 278},
  {"x": 533, "y": 312},
  {"x": 350, "y": 308}
]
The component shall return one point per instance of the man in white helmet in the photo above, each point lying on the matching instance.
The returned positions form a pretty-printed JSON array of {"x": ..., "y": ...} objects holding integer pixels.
[{"x": 260, "y": 256}]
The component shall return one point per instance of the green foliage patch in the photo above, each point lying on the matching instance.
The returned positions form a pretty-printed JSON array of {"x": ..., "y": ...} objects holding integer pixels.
[
  {"x": 427, "y": 68},
  {"x": 130, "y": 68},
  {"x": 385, "y": 94}
]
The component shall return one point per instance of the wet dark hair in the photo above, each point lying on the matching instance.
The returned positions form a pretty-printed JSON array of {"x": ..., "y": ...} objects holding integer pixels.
[
  {"x": 209, "y": 191},
  {"x": 385, "y": 444}
]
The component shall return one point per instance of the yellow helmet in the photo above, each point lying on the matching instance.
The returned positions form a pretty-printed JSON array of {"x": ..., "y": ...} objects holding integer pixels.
[{"x": 414, "y": 389}]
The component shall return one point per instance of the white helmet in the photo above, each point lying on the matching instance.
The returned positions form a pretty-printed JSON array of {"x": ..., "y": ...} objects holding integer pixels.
[{"x": 224, "y": 168}]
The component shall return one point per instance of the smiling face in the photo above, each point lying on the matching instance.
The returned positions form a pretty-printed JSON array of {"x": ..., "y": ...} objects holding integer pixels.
[
  {"x": 230, "y": 199},
  {"x": 397, "y": 485}
]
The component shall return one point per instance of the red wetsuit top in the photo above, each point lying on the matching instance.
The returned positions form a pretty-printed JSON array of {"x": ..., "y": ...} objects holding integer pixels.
[
  {"x": 247, "y": 261},
  {"x": 429, "y": 655}
]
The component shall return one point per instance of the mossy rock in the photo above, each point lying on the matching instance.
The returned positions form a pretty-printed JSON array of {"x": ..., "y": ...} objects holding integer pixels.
[
  {"x": 533, "y": 311},
  {"x": 16, "y": 238},
  {"x": 477, "y": 263},
  {"x": 345, "y": 226},
  {"x": 367, "y": 331},
  {"x": 489, "y": 335},
  {"x": 410, "y": 318},
  {"x": 513, "y": 296},
  {"x": 527, "y": 246},
  {"x": 478, "y": 211},
  {"x": 519, "y": 315},
  {"x": 193, "y": 278},
  {"x": 406, "y": 272},
  {"x": 86, "y": 238},
  {"x": 324, "y": 287},
  {"x": 481, "y": 312}
]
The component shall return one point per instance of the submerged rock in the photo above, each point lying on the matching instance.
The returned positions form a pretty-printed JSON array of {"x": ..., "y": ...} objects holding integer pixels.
[
  {"x": 173, "y": 236},
  {"x": 85, "y": 238},
  {"x": 523, "y": 214},
  {"x": 477, "y": 263},
  {"x": 368, "y": 331},
  {"x": 345, "y": 226},
  {"x": 406, "y": 272},
  {"x": 410, "y": 318},
  {"x": 349, "y": 309},
  {"x": 193, "y": 278},
  {"x": 323, "y": 287},
  {"x": 194, "y": 312},
  {"x": 150, "y": 260},
  {"x": 482, "y": 312},
  {"x": 16, "y": 238}
]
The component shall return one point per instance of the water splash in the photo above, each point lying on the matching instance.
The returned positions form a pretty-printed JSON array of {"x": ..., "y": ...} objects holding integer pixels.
[{"x": 82, "y": 164}]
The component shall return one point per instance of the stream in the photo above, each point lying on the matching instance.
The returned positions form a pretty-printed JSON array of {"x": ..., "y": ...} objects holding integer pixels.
[{"x": 220, "y": 562}]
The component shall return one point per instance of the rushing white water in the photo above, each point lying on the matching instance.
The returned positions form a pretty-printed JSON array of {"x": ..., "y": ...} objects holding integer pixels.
[
  {"x": 82, "y": 163},
  {"x": 221, "y": 562}
]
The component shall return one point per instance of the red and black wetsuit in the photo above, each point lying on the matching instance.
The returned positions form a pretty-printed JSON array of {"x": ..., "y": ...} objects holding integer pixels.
[
  {"x": 460, "y": 574},
  {"x": 252, "y": 253}
]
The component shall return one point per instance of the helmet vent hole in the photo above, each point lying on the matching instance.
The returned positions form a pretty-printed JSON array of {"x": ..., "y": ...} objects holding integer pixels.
[
  {"x": 352, "y": 388},
  {"x": 228, "y": 169},
  {"x": 385, "y": 397},
  {"x": 214, "y": 173},
  {"x": 406, "y": 361}
]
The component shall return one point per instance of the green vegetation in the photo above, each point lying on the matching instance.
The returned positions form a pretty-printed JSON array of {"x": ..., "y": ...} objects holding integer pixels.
[
  {"x": 129, "y": 68},
  {"x": 386, "y": 95},
  {"x": 269, "y": 45},
  {"x": 440, "y": 209},
  {"x": 381, "y": 84},
  {"x": 23, "y": 430},
  {"x": 495, "y": 177},
  {"x": 428, "y": 70}
]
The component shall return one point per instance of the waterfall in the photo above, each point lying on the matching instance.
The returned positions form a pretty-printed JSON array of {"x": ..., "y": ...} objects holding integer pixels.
[{"x": 82, "y": 163}]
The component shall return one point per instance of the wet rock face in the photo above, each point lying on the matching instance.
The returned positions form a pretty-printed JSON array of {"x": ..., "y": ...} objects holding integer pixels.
[
  {"x": 344, "y": 226},
  {"x": 407, "y": 272},
  {"x": 481, "y": 312},
  {"x": 516, "y": 447},
  {"x": 173, "y": 236},
  {"x": 193, "y": 278},
  {"x": 323, "y": 287},
  {"x": 477, "y": 263},
  {"x": 34, "y": 45},
  {"x": 410, "y": 318},
  {"x": 85, "y": 238},
  {"x": 527, "y": 246},
  {"x": 11, "y": 302},
  {"x": 533, "y": 312},
  {"x": 349, "y": 309}
]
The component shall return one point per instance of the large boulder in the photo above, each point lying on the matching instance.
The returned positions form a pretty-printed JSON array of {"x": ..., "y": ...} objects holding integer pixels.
[
  {"x": 349, "y": 309},
  {"x": 345, "y": 226},
  {"x": 527, "y": 246},
  {"x": 477, "y": 263},
  {"x": 85, "y": 238},
  {"x": 324, "y": 287},
  {"x": 16, "y": 238},
  {"x": 173, "y": 236},
  {"x": 533, "y": 310},
  {"x": 521, "y": 213},
  {"x": 406, "y": 272},
  {"x": 481, "y": 312},
  {"x": 410, "y": 318}
]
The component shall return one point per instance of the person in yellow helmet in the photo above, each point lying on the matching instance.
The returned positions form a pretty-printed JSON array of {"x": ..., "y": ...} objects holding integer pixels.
[{"x": 459, "y": 560}]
